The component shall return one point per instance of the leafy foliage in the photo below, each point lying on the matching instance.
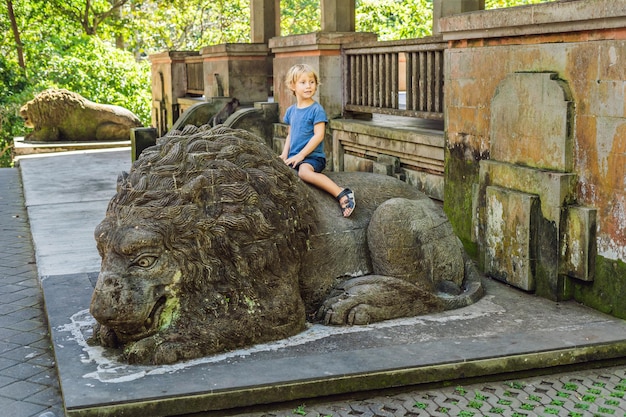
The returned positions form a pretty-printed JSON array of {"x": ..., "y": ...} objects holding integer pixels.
[
  {"x": 497, "y": 4},
  {"x": 149, "y": 26},
  {"x": 393, "y": 19},
  {"x": 299, "y": 16},
  {"x": 12, "y": 84},
  {"x": 58, "y": 53}
]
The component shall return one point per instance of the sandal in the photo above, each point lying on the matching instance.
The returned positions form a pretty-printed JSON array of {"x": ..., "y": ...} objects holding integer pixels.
[{"x": 346, "y": 201}]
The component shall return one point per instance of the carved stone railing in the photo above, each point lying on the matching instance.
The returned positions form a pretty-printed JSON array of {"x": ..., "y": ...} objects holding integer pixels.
[{"x": 376, "y": 74}]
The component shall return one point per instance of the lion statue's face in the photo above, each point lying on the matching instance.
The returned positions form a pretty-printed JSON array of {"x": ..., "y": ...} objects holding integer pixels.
[
  {"x": 137, "y": 292},
  {"x": 25, "y": 115}
]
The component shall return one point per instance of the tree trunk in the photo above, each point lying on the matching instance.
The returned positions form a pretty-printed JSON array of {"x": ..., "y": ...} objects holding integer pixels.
[{"x": 16, "y": 34}]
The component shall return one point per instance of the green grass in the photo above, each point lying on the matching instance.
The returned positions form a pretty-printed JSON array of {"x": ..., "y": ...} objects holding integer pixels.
[
  {"x": 475, "y": 404},
  {"x": 420, "y": 405},
  {"x": 480, "y": 397}
]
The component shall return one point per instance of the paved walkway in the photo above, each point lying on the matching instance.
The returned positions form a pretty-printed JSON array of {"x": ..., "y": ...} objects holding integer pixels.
[
  {"x": 599, "y": 392},
  {"x": 28, "y": 379},
  {"x": 29, "y": 384}
]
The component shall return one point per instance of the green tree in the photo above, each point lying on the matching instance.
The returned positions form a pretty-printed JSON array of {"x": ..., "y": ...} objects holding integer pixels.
[
  {"x": 394, "y": 19},
  {"x": 57, "y": 53},
  {"x": 299, "y": 16},
  {"x": 497, "y": 4},
  {"x": 88, "y": 14},
  {"x": 151, "y": 26},
  {"x": 12, "y": 84}
]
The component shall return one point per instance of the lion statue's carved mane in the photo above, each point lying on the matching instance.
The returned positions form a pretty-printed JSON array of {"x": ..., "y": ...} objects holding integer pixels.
[
  {"x": 62, "y": 115},
  {"x": 212, "y": 243}
]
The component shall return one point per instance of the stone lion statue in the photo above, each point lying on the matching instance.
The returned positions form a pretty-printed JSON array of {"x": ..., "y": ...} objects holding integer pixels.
[
  {"x": 212, "y": 243},
  {"x": 61, "y": 115}
]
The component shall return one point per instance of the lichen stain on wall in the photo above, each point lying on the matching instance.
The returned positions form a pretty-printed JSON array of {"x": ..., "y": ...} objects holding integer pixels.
[
  {"x": 495, "y": 240},
  {"x": 596, "y": 70},
  {"x": 603, "y": 182}
]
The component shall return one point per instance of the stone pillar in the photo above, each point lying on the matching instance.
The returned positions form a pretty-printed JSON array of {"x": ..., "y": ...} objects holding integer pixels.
[
  {"x": 337, "y": 15},
  {"x": 240, "y": 70},
  {"x": 442, "y": 8},
  {"x": 264, "y": 20},
  {"x": 169, "y": 82}
]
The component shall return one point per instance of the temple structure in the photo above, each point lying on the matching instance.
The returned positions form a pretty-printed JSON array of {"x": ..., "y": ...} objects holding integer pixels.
[{"x": 514, "y": 118}]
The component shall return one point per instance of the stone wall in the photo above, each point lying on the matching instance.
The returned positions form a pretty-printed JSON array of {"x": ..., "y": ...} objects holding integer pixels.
[{"x": 518, "y": 145}]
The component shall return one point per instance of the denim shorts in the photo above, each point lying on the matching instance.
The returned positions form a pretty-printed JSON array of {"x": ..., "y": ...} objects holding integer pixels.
[{"x": 317, "y": 163}]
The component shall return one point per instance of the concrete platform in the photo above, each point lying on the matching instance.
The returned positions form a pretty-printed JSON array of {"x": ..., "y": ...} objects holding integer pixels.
[{"x": 508, "y": 330}]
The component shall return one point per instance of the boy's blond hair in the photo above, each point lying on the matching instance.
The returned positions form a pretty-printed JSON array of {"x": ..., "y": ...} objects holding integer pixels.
[{"x": 298, "y": 70}]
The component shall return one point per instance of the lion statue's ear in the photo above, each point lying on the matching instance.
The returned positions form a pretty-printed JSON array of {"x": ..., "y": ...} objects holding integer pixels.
[{"x": 121, "y": 180}]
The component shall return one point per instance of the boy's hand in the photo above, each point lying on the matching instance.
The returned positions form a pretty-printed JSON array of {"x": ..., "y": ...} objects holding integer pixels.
[{"x": 294, "y": 160}]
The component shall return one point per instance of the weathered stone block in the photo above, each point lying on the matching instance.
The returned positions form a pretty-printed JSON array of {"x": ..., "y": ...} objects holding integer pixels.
[
  {"x": 578, "y": 243},
  {"x": 393, "y": 161},
  {"x": 383, "y": 169},
  {"x": 555, "y": 189},
  {"x": 510, "y": 236},
  {"x": 239, "y": 70},
  {"x": 530, "y": 120},
  {"x": 140, "y": 139},
  {"x": 430, "y": 184},
  {"x": 584, "y": 44},
  {"x": 353, "y": 163}
]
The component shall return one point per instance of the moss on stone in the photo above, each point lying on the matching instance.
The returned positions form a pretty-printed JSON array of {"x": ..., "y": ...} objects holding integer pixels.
[
  {"x": 460, "y": 174},
  {"x": 605, "y": 292}
]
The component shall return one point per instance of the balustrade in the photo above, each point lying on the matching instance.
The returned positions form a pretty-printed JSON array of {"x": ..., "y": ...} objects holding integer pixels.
[{"x": 403, "y": 78}]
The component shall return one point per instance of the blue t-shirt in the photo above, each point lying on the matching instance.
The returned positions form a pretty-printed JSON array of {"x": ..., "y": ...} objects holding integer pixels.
[{"x": 301, "y": 123}]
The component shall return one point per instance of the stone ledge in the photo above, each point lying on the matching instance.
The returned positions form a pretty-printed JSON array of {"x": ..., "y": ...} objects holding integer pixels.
[
  {"x": 21, "y": 148},
  {"x": 416, "y": 143},
  {"x": 407, "y": 130},
  {"x": 318, "y": 41},
  {"x": 545, "y": 18},
  {"x": 555, "y": 189}
]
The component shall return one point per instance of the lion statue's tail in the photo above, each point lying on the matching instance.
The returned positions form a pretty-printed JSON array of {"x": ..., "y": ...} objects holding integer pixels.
[{"x": 473, "y": 289}]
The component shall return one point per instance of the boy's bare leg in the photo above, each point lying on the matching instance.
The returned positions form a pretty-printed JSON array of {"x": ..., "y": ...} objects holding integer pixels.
[{"x": 321, "y": 181}]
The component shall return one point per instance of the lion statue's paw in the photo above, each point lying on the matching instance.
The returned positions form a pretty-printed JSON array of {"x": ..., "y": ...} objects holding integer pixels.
[
  {"x": 374, "y": 298},
  {"x": 347, "y": 310},
  {"x": 104, "y": 336},
  {"x": 151, "y": 351}
]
